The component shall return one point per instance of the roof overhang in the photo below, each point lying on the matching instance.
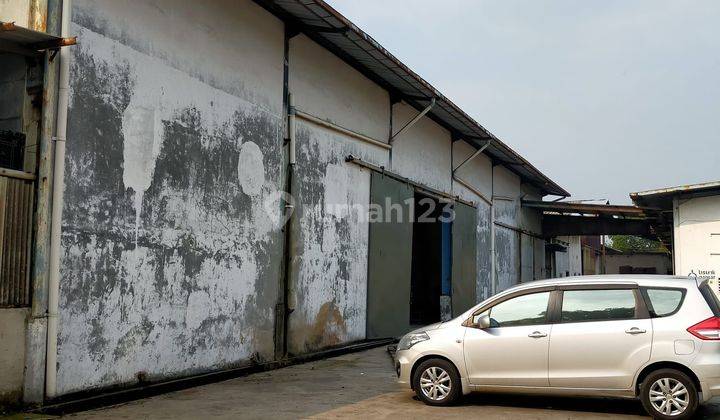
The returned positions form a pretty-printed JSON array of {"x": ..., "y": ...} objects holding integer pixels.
[
  {"x": 586, "y": 209},
  {"x": 326, "y": 26},
  {"x": 18, "y": 40},
  {"x": 570, "y": 219},
  {"x": 663, "y": 197}
]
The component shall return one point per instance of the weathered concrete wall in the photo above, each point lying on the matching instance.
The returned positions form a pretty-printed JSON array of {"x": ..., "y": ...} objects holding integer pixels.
[
  {"x": 530, "y": 219},
  {"x": 574, "y": 255},
  {"x": 331, "y": 242},
  {"x": 506, "y": 205},
  {"x": 527, "y": 258},
  {"x": 477, "y": 172},
  {"x": 661, "y": 262},
  {"x": 170, "y": 260},
  {"x": 12, "y": 354},
  {"x": 330, "y": 272},
  {"x": 421, "y": 153},
  {"x": 590, "y": 261},
  {"x": 325, "y": 86},
  {"x": 484, "y": 251},
  {"x": 507, "y": 258},
  {"x": 533, "y": 249},
  {"x": 562, "y": 264},
  {"x": 539, "y": 271}
]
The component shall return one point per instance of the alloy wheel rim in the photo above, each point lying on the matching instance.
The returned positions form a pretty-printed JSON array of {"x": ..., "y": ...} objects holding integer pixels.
[
  {"x": 435, "y": 383},
  {"x": 669, "y": 396}
]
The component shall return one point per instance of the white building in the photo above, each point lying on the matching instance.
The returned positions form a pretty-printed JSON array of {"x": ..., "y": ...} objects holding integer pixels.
[{"x": 690, "y": 223}]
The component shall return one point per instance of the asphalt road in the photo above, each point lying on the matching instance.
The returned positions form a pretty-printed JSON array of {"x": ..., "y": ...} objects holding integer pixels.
[{"x": 358, "y": 385}]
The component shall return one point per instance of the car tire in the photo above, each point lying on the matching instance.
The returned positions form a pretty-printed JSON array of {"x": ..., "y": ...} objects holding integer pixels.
[
  {"x": 659, "y": 400},
  {"x": 437, "y": 382}
]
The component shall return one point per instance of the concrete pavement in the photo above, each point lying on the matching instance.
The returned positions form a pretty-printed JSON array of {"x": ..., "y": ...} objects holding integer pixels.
[{"x": 360, "y": 385}]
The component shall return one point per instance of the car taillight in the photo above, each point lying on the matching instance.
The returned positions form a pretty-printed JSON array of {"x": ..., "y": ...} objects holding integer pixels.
[{"x": 706, "y": 330}]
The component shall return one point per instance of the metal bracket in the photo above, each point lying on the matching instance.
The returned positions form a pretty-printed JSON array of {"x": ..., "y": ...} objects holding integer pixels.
[
  {"x": 413, "y": 121},
  {"x": 471, "y": 157}
]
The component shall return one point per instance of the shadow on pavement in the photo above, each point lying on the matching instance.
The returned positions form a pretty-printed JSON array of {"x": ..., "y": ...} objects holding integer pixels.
[
  {"x": 589, "y": 405},
  {"x": 593, "y": 405}
]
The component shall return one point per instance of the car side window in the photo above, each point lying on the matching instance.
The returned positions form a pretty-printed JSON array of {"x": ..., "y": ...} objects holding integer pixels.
[
  {"x": 598, "y": 305},
  {"x": 664, "y": 302},
  {"x": 523, "y": 310}
]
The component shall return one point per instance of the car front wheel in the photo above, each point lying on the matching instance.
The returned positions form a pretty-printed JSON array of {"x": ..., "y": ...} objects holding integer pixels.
[
  {"x": 436, "y": 382},
  {"x": 669, "y": 394}
]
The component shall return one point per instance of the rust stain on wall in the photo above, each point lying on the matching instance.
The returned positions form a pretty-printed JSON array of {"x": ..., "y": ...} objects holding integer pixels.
[{"x": 38, "y": 15}]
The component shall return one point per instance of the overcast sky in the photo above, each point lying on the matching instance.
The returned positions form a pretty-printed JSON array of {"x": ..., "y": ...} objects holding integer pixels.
[{"x": 605, "y": 97}]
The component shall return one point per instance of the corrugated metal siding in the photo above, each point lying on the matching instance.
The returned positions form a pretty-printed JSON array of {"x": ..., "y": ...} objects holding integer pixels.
[{"x": 16, "y": 203}]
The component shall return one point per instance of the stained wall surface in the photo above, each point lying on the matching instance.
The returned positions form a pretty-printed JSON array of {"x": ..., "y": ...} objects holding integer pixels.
[
  {"x": 329, "y": 275},
  {"x": 172, "y": 240},
  {"x": 170, "y": 261}
]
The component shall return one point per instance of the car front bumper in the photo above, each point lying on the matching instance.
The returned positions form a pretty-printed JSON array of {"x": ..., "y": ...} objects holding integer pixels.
[{"x": 404, "y": 361}]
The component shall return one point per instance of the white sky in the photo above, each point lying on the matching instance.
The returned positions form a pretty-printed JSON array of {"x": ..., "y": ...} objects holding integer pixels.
[{"x": 605, "y": 97}]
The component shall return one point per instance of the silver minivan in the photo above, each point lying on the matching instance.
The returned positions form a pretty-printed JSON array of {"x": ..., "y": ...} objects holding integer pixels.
[{"x": 656, "y": 338}]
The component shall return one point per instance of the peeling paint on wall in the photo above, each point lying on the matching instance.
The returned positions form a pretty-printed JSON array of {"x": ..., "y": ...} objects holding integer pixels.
[
  {"x": 171, "y": 259},
  {"x": 331, "y": 280},
  {"x": 251, "y": 170},
  {"x": 170, "y": 265},
  {"x": 507, "y": 245},
  {"x": 484, "y": 252}
]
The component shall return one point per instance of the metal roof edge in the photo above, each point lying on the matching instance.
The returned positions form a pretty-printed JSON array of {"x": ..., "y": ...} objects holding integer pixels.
[
  {"x": 537, "y": 178},
  {"x": 676, "y": 190},
  {"x": 585, "y": 208}
]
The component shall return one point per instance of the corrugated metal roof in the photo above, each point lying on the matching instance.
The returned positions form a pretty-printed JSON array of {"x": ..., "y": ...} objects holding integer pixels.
[
  {"x": 692, "y": 188},
  {"x": 583, "y": 208},
  {"x": 329, "y": 28}
]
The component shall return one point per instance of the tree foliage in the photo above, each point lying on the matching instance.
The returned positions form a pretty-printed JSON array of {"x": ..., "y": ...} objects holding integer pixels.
[{"x": 629, "y": 243}]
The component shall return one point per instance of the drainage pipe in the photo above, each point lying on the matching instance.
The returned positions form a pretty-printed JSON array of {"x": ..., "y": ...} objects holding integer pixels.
[
  {"x": 57, "y": 204},
  {"x": 493, "y": 273},
  {"x": 291, "y": 293}
]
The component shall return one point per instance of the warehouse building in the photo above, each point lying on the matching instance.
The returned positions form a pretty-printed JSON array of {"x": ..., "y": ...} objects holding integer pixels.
[{"x": 234, "y": 183}]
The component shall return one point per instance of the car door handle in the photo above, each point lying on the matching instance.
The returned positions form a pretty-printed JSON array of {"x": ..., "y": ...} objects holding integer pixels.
[
  {"x": 537, "y": 334},
  {"x": 635, "y": 330}
]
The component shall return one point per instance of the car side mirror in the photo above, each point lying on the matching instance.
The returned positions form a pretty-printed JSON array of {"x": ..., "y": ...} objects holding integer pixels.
[{"x": 483, "y": 322}]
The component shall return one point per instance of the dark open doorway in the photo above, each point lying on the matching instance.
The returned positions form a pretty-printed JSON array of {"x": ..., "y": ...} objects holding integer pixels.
[{"x": 426, "y": 274}]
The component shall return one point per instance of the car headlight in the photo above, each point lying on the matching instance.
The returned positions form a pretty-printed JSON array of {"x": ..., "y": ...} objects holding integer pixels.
[{"x": 411, "y": 339}]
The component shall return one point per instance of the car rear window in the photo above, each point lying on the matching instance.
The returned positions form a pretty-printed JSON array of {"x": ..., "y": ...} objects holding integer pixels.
[
  {"x": 664, "y": 302},
  {"x": 710, "y": 298}
]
